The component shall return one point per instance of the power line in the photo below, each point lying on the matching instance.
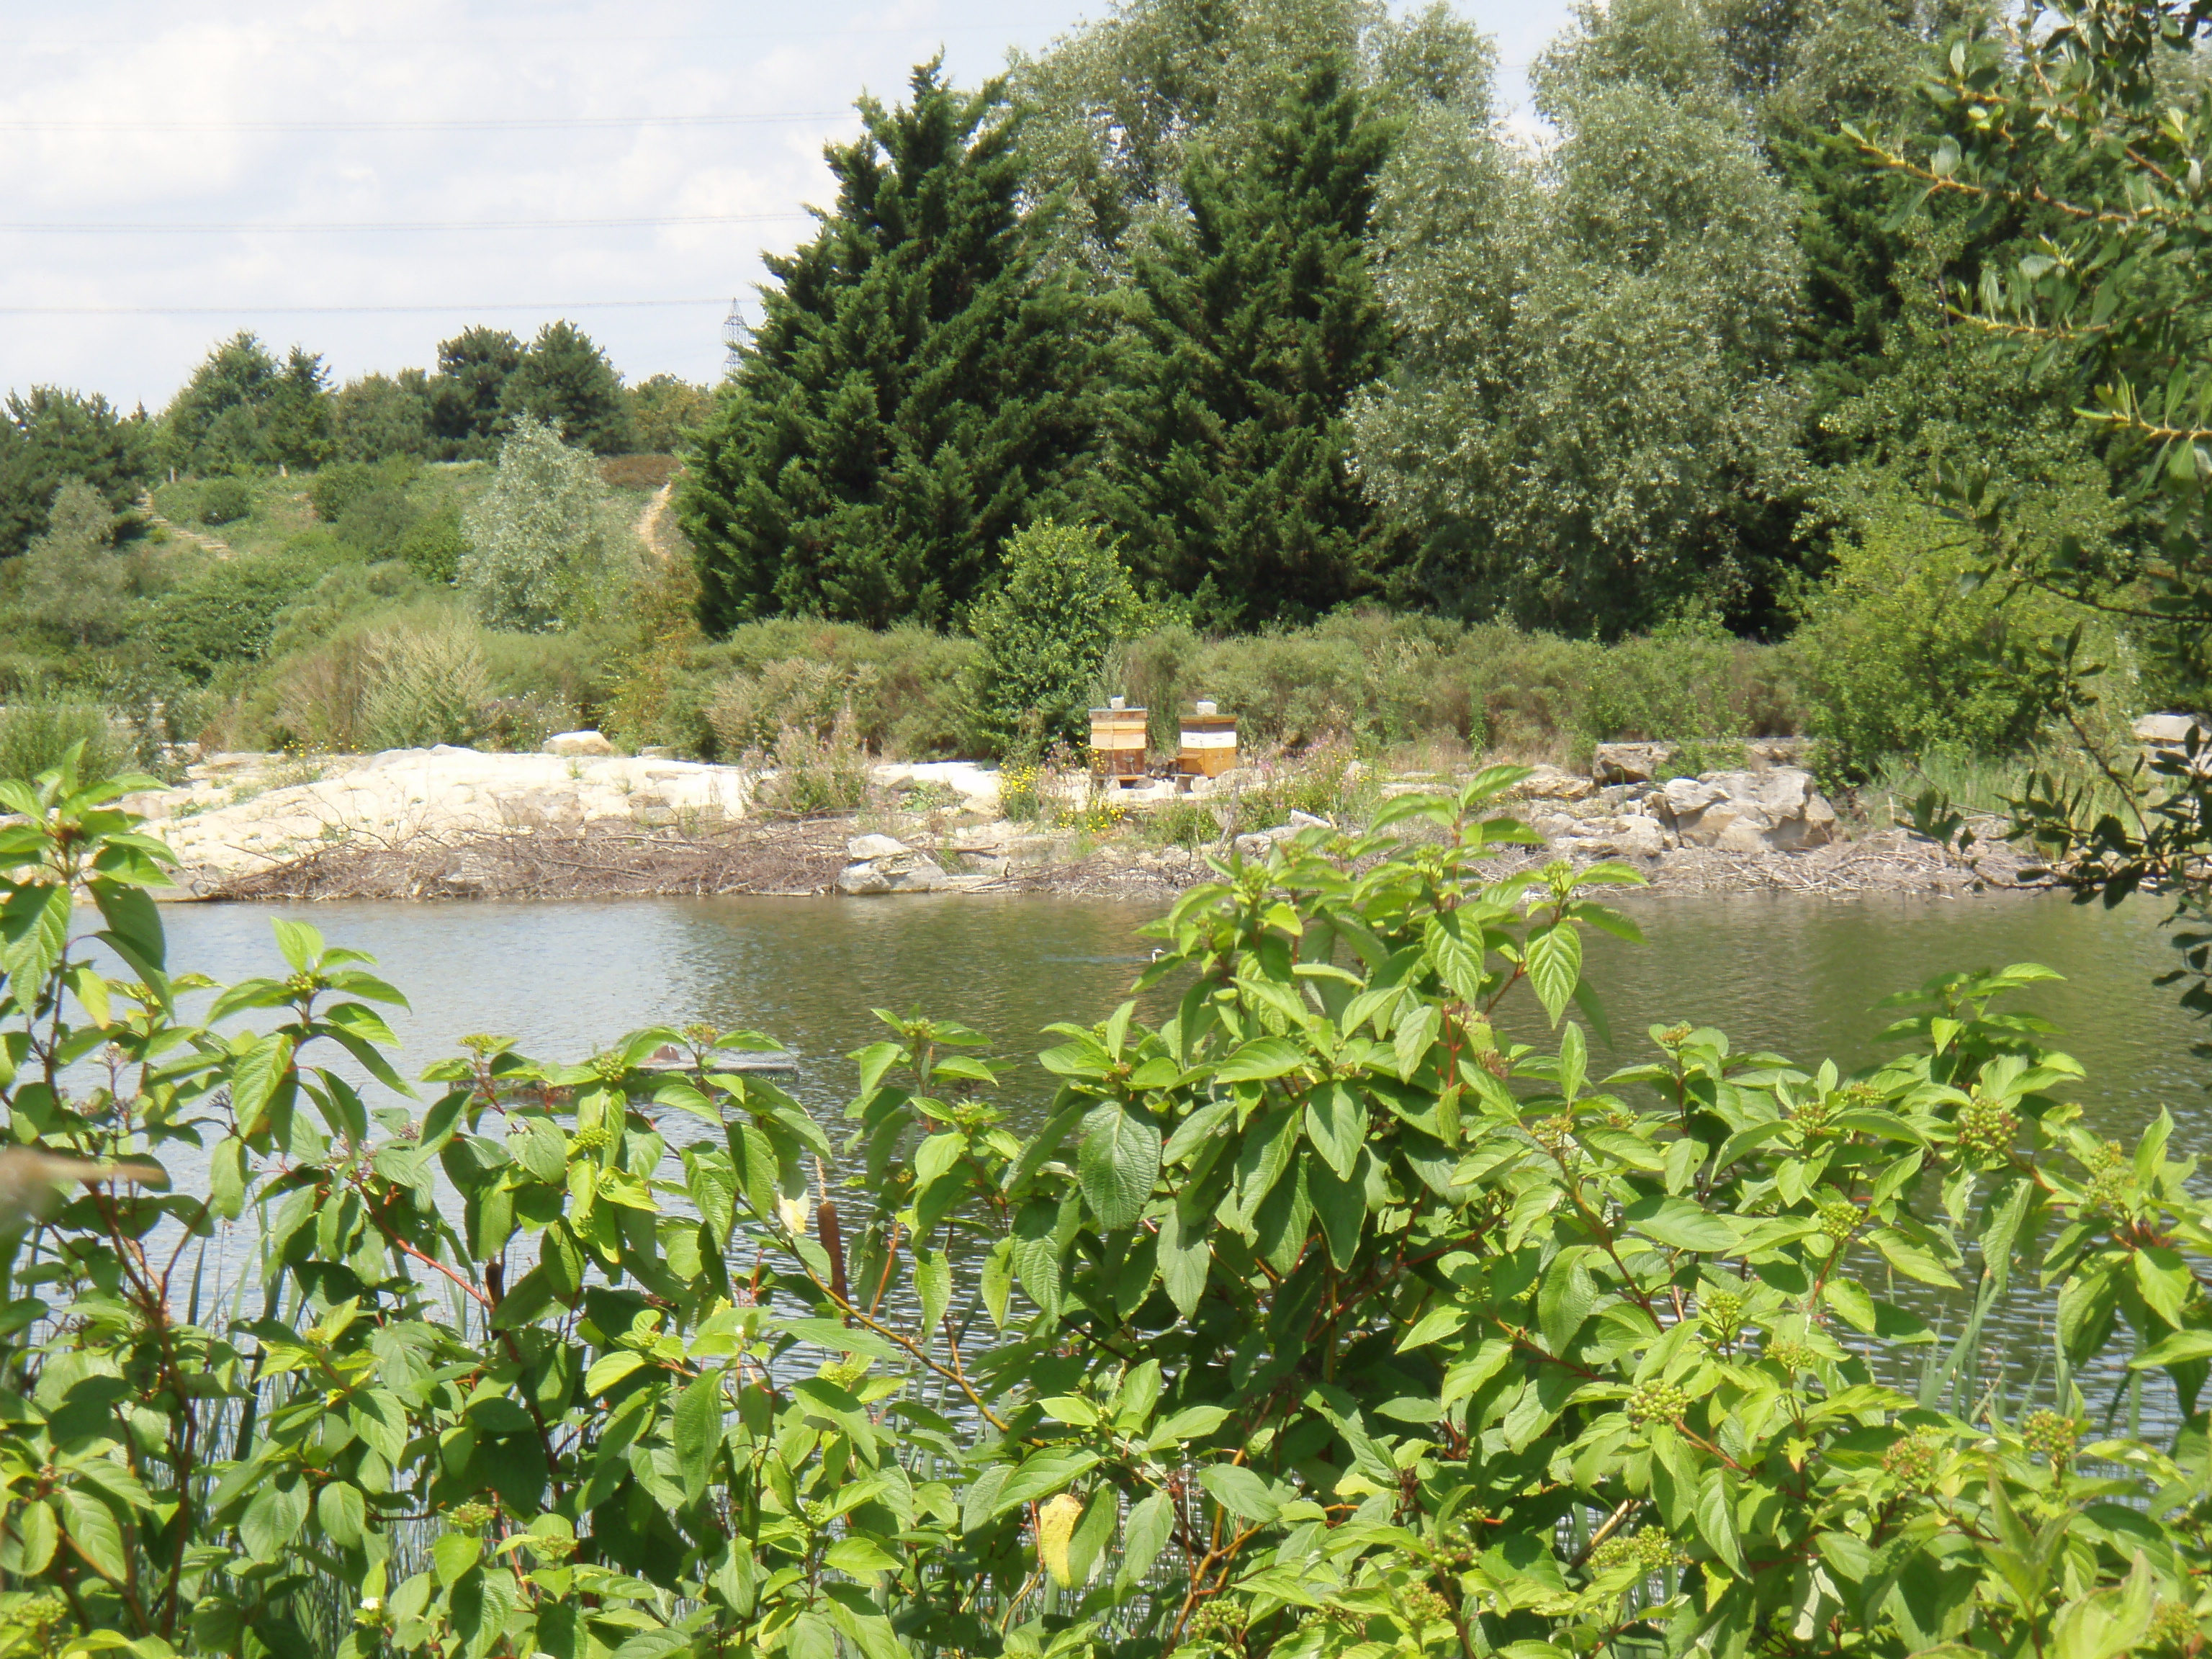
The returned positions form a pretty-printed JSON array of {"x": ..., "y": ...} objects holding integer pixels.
[
  {"x": 319, "y": 310},
  {"x": 162, "y": 228},
  {"x": 350, "y": 42},
  {"x": 519, "y": 123}
]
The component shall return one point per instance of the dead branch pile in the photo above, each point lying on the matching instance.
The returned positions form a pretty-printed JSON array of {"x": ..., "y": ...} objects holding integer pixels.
[{"x": 593, "y": 861}]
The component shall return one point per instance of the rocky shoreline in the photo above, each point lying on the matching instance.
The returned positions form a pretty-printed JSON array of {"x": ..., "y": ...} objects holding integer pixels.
[{"x": 454, "y": 824}]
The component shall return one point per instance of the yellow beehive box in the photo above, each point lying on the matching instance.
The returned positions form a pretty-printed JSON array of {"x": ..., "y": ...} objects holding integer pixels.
[
  {"x": 1209, "y": 743},
  {"x": 1117, "y": 742}
]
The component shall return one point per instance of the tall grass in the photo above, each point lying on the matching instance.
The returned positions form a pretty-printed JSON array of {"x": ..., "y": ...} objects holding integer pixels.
[{"x": 34, "y": 736}]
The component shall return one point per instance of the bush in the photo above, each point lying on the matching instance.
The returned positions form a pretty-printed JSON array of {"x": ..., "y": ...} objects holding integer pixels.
[
  {"x": 538, "y": 543},
  {"x": 908, "y": 685},
  {"x": 637, "y": 471},
  {"x": 1427, "y": 1344},
  {"x": 816, "y": 774},
  {"x": 225, "y": 501},
  {"x": 793, "y": 694},
  {"x": 426, "y": 686},
  {"x": 376, "y": 525},
  {"x": 1898, "y": 660},
  {"x": 35, "y": 735},
  {"x": 229, "y": 613},
  {"x": 435, "y": 545},
  {"x": 1043, "y": 635}
]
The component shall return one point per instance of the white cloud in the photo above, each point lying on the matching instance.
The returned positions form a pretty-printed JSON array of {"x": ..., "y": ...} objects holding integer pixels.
[{"x": 99, "y": 65}]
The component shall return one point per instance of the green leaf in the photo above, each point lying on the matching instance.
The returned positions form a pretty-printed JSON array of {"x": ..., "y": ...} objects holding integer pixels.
[
  {"x": 32, "y": 1534},
  {"x": 341, "y": 1510},
  {"x": 1191, "y": 1423},
  {"x": 1681, "y": 1224},
  {"x": 134, "y": 924},
  {"x": 610, "y": 1368},
  {"x": 453, "y": 1554},
  {"x": 860, "y": 1556},
  {"x": 2165, "y": 1280},
  {"x": 272, "y": 1520},
  {"x": 2177, "y": 1349},
  {"x": 1041, "y": 1475},
  {"x": 1554, "y": 961},
  {"x": 302, "y": 945},
  {"x": 1415, "y": 1036},
  {"x": 1144, "y": 1535},
  {"x": 697, "y": 1433},
  {"x": 1239, "y": 1491},
  {"x": 1457, "y": 958},
  {"x": 1336, "y": 1123},
  {"x": 227, "y": 1178},
  {"x": 91, "y": 1526},
  {"x": 1259, "y": 1060},
  {"x": 1904, "y": 1253},
  {"x": 1185, "y": 1252},
  {"x": 1717, "y": 1520},
  {"x": 1119, "y": 1162}
]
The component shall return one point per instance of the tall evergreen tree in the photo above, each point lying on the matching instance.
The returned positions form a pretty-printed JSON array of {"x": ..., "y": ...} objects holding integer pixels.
[
  {"x": 51, "y": 435},
  {"x": 1249, "y": 331},
  {"x": 464, "y": 393},
  {"x": 565, "y": 380},
  {"x": 914, "y": 392}
]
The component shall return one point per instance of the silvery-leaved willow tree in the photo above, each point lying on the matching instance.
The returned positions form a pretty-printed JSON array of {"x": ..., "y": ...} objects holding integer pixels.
[
  {"x": 1592, "y": 414},
  {"x": 537, "y": 537}
]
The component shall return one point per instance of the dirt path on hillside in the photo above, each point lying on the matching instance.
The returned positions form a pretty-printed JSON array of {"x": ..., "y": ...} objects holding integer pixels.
[
  {"x": 661, "y": 539},
  {"x": 220, "y": 550}
]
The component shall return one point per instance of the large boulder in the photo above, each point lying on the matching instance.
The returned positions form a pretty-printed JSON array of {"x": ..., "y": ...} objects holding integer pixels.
[
  {"x": 1776, "y": 811},
  {"x": 881, "y": 865},
  {"x": 1629, "y": 762},
  {"x": 575, "y": 744}
]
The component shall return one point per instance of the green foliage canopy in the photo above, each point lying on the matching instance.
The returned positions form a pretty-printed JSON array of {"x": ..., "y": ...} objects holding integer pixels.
[
  {"x": 1324, "y": 1316},
  {"x": 915, "y": 392},
  {"x": 51, "y": 435},
  {"x": 1043, "y": 635}
]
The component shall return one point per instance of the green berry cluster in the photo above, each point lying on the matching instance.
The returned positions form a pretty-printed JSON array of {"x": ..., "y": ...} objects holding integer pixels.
[
  {"x": 591, "y": 1140},
  {"x": 1650, "y": 1549},
  {"x": 1914, "y": 1460},
  {"x": 469, "y": 1517},
  {"x": 2054, "y": 1436},
  {"x": 2172, "y": 1626},
  {"x": 2112, "y": 1184},
  {"x": 1792, "y": 1357},
  {"x": 1656, "y": 1402},
  {"x": 1812, "y": 1116},
  {"x": 1721, "y": 1312},
  {"x": 1553, "y": 1133},
  {"x": 611, "y": 1066},
  {"x": 1986, "y": 1127},
  {"x": 1839, "y": 1220}
]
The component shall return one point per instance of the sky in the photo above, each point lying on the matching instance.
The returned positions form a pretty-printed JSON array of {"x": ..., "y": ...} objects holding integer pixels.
[{"x": 366, "y": 178}]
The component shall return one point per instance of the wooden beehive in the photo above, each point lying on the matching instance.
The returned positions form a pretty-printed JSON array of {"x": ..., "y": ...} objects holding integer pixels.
[
  {"x": 1209, "y": 744},
  {"x": 1117, "y": 743}
]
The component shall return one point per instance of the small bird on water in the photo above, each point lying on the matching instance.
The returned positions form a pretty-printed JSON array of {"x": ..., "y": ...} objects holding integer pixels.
[{"x": 31, "y": 1181}]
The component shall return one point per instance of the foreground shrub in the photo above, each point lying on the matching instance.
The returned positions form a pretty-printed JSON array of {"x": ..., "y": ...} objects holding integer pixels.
[{"x": 1326, "y": 1320}]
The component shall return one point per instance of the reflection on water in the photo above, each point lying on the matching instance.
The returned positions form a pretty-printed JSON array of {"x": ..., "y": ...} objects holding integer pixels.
[{"x": 1793, "y": 975}]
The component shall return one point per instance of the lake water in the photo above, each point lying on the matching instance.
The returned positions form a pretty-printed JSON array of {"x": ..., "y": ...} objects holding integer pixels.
[{"x": 1789, "y": 974}]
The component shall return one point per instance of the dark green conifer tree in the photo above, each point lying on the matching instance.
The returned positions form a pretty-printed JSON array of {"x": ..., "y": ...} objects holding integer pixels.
[
  {"x": 1250, "y": 328},
  {"x": 565, "y": 380},
  {"x": 915, "y": 390}
]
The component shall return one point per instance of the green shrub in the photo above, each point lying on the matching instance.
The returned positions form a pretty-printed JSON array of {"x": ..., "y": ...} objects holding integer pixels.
[
  {"x": 908, "y": 685},
  {"x": 426, "y": 686},
  {"x": 796, "y": 694},
  {"x": 1897, "y": 660},
  {"x": 1043, "y": 635},
  {"x": 435, "y": 544},
  {"x": 228, "y": 613},
  {"x": 817, "y": 772},
  {"x": 225, "y": 501},
  {"x": 35, "y": 735},
  {"x": 376, "y": 525}
]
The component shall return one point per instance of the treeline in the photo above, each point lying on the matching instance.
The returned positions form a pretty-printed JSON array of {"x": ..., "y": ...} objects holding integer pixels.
[
  {"x": 1268, "y": 291},
  {"x": 246, "y": 411}
]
